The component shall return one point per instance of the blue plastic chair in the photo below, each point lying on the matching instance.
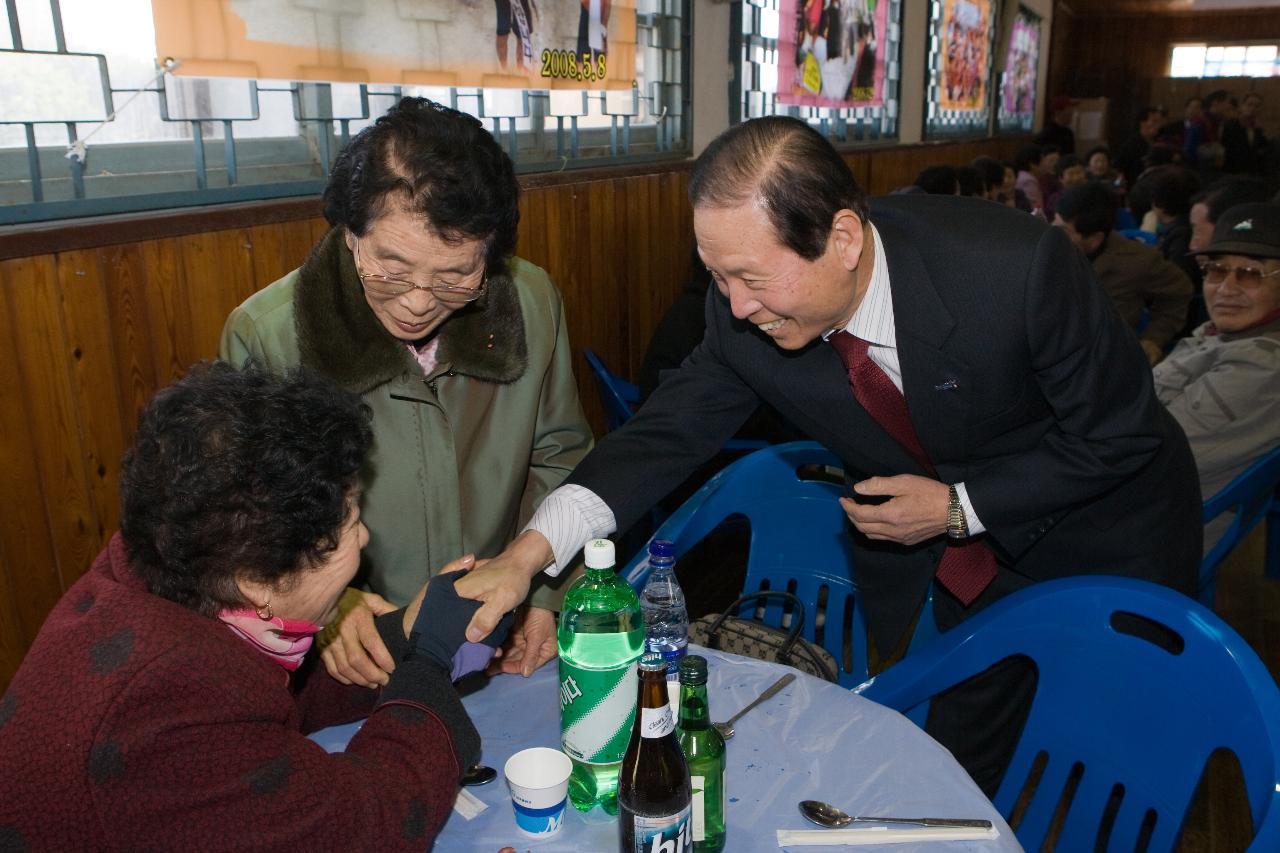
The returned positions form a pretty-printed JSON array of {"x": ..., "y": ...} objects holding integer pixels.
[
  {"x": 1138, "y": 234},
  {"x": 800, "y": 543},
  {"x": 1134, "y": 717},
  {"x": 1253, "y": 495},
  {"x": 621, "y": 398},
  {"x": 618, "y": 396}
]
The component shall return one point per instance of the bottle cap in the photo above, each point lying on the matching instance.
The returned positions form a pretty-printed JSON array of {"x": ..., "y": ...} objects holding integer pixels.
[
  {"x": 693, "y": 669},
  {"x": 653, "y": 661},
  {"x": 599, "y": 554},
  {"x": 662, "y": 549}
]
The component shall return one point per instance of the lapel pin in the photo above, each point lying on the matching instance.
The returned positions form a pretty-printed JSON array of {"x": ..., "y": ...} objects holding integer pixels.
[{"x": 949, "y": 385}]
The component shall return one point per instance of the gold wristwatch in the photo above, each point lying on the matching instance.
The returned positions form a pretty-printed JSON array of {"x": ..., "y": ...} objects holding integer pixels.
[{"x": 957, "y": 524}]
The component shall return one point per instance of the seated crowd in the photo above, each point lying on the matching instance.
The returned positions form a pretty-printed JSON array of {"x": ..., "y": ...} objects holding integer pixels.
[{"x": 1147, "y": 221}]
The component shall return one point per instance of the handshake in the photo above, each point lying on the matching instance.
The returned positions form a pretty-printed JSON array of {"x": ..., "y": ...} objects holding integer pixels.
[{"x": 439, "y": 631}]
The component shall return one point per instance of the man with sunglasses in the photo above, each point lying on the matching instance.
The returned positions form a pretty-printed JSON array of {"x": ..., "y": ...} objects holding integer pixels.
[{"x": 1223, "y": 382}]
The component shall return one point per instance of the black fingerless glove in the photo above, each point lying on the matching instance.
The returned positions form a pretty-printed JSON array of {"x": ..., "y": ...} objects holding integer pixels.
[{"x": 440, "y": 628}]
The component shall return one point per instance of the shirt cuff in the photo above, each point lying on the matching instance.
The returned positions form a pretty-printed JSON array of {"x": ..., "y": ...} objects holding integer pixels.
[
  {"x": 569, "y": 518},
  {"x": 971, "y": 518}
]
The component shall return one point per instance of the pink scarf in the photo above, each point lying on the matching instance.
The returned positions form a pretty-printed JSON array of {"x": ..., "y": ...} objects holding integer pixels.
[{"x": 286, "y": 641}]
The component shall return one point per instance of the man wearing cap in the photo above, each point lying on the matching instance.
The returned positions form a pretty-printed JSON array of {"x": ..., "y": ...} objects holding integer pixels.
[{"x": 1223, "y": 382}]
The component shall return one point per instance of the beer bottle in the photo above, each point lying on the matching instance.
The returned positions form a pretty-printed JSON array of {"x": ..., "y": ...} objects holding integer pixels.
[
  {"x": 653, "y": 788},
  {"x": 600, "y": 637},
  {"x": 704, "y": 753}
]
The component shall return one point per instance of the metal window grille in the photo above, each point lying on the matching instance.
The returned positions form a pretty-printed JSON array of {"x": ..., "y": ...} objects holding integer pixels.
[
  {"x": 162, "y": 141},
  {"x": 754, "y": 53}
]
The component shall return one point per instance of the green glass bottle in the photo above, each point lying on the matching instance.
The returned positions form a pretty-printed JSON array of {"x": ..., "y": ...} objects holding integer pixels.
[
  {"x": 704, "y": 753},
  {"x": 600, "y": 638}
]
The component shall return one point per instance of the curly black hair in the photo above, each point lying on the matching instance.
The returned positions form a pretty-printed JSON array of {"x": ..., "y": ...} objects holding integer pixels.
[
  {"x": 439, "y": 161},
  {"x": 234, "y": 472}
]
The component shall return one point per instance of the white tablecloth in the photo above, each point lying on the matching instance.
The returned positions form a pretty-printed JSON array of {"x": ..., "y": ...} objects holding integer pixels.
[{"x": 814, "y": 740}]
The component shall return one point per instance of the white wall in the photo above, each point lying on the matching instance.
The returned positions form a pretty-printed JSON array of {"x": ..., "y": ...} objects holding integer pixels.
[{"x": 712, "y": 69}]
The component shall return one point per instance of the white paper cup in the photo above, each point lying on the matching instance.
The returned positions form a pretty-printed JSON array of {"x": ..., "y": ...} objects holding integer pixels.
[{"x": 539, "y": 783}]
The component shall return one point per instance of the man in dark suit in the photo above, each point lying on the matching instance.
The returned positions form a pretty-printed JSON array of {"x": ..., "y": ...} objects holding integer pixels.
[{"x": 1030, "y": 445}]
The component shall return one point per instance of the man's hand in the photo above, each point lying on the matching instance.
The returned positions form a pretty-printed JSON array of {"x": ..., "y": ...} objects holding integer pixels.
[
  {"x": 502, "y": 583},
  {"x": 354, "y": 653},
  {"x": 532, "y": 643},
  {"x": 1153, "y": 351},
  {"x": 916, "y": 510}
]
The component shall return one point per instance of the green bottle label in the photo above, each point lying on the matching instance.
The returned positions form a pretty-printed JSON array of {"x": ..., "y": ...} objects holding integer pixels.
[{"x": 597, "y": 710}]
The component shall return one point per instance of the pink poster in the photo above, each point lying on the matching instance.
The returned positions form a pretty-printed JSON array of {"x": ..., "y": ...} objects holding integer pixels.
[{"x": 831, "y": 53}]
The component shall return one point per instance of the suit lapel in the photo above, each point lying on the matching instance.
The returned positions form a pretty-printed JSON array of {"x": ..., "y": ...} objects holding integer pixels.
[{"x": 935, "y": 382}]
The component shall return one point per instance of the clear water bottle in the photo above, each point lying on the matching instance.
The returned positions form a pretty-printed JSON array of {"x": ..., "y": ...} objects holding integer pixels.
[
  {"x": 666, "y": 620},
  {"x": 600, "y": 638}
]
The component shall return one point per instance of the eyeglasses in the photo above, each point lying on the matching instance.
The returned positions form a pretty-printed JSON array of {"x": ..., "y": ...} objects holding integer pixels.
[
  {"x": 1246, "y": 277},
  {"x": 387, "y": 287}
]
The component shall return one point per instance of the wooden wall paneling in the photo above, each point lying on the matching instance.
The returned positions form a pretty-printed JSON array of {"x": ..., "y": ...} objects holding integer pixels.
[
  {"x": 54, "y": 429},
  {"x": 13, "y": 640},
  {"x": 167, "y": 311},
  {"x": 277, "y": 249},
  {"x": 29, "y": 582},
  {"x": 319, "y": 228},
  {"x": 646, "y": 296},
  {"x": 101, "y": 419},
  {"x": 218, "y": 267},
  {"x": 128, "y": 318}
]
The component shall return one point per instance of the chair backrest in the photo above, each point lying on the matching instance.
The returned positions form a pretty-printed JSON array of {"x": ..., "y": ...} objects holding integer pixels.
[
  {"x": 1127, "y": 716},
  {"x": 1138, "y": 234},
  {"x": 800, "y": 542},
  {"x": 618, "y": 396},
  {"x": 1251, "y": 495}
]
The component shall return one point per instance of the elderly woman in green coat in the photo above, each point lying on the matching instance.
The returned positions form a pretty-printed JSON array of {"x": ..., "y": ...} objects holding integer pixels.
[{"x": 414, "y": 301}]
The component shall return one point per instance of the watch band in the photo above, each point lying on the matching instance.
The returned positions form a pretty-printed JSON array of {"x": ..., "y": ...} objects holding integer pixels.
[{"x": 957, "y": 524}]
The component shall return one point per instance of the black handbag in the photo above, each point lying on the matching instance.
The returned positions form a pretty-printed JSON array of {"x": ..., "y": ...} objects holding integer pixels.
[{"x": 750, "y": 638}]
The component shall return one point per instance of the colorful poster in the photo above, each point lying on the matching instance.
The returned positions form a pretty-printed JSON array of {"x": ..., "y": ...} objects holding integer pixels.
[
  {"x": 1018, "y": 89},
  {"x": 536, "y": 44},
  {"x": 966, "y": 38},
  {"x": 831, "y": 53}
]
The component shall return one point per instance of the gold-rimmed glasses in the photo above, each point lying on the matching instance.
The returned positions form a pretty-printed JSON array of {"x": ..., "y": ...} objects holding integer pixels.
[
  {"x": 389, "y": 287},
  {"x": 1248, "y": 278}
]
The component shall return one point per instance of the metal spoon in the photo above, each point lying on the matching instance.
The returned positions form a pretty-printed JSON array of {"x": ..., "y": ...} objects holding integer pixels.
[
  {"x": 830, "y": 817},
  {"x": 478, "y": 774},
  {"x": 726, "y": 728}
]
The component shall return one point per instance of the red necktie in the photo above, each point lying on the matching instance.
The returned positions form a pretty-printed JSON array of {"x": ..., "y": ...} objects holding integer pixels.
[{"x": 967, "y": 567}]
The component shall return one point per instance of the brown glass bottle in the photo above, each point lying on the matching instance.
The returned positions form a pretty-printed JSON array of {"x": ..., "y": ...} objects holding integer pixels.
[{"x": 653, "y": 788}]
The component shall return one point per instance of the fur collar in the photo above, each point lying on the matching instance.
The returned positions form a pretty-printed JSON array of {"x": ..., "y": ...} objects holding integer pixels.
[{"x": 339, "y": 336}]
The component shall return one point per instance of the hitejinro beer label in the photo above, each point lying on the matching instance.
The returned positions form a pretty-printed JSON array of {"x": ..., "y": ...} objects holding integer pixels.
[
  {"x": 597, "y": 711},
  {"x": 656, "y": 722},
  {"x": 668, "y": 834}
]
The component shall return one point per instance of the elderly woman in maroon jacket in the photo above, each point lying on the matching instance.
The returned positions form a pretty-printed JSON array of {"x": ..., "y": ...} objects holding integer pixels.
[{"x": 166, "y": 701}]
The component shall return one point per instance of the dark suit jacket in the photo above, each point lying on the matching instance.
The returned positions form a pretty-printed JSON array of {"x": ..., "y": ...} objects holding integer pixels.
[{"x": 1022, "y": 382}]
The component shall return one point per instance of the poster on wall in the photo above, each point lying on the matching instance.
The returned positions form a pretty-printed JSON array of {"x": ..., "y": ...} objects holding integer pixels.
[
  {"x": 535, "y": 44},
  {"x": 1022, "y": 63},
  {"x": 831, "y": 53},
  {"x": 966, "y": 32}
]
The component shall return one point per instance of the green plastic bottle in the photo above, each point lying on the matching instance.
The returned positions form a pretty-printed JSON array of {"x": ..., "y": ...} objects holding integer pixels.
[
  {"x": 704, "y": 753},
  {"x": 600, "y": 638}
]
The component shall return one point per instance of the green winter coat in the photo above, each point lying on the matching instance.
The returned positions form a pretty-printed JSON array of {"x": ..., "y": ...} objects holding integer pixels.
[{"x": 460, "y": 458}]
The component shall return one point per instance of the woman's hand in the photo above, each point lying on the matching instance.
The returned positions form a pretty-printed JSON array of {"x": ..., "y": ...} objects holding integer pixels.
[
  {"x": 353, "y": 652},
  {"x": 531, "y": 644}
]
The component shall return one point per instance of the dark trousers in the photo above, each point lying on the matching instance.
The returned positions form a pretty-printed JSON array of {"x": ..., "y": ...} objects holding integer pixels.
[{"x": 980, "y": 720}]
